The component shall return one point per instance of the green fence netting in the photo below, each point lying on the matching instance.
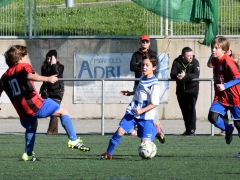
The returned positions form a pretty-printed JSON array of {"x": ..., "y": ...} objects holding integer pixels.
[
  {"x": 193, "y": 11},
  {"x": 5, "y": 2}
]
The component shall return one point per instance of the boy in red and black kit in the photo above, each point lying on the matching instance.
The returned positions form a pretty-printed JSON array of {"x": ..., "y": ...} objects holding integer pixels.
[
  {"x": 18, "y": 83},
  {"x": 226, "y": 74}
]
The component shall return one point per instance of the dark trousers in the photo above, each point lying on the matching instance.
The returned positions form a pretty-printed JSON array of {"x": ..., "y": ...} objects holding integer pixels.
[{"x": 187, "y": 103}]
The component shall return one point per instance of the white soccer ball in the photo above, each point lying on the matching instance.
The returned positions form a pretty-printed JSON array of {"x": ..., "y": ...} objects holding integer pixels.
[{"x": 147, "y": 150}]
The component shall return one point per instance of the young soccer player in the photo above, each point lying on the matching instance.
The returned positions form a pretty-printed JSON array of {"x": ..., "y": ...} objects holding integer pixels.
[
  {"x": 18, "y": 84},
  {"x": 226, "y": 75},
  {"x": 141, "y": 110}
]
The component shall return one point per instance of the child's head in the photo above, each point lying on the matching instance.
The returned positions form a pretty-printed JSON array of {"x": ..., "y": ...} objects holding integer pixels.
[
  {"x": 149, "y": 65},
  {"x": 220, "y": 43},
  {"x": 14, "y": 54}
]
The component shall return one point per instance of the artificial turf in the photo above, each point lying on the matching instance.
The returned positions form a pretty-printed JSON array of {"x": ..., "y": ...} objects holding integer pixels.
[{"x": 200, "y": 157}]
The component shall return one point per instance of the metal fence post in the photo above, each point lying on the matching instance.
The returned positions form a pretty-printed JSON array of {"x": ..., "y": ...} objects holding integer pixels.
[
  {"x": 102, "y": 126},
  {"x": 35, "y": 18},
  {"x": 30, "y": 18},
  {"x": 69, "y": 3}
]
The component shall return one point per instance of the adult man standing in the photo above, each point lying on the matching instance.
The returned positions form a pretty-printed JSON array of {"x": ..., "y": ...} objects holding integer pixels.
[
  {"x": 184, "y": 69},
  {"x": 135, "y": 64}
]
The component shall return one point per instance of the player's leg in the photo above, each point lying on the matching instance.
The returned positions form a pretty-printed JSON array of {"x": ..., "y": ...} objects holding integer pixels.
[
  {"x": 49, "y": 108},
  {"x": 159, "y": 135},
  {"x": 125, "y": 125},
  {"x": 237, "y": 125},
  {"x": 225, "y": 118},
  {"x": 30, "y": 124},
  {"x": 214, "y": 117},
  {"x": 235, "y": 115}
]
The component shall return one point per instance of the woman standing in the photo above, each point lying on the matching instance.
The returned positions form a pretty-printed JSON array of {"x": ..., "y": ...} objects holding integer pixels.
[{"x": 54, "y": 91}]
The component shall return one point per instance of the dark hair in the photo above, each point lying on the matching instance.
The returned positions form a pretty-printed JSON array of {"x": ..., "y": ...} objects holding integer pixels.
[
  {"x": 152, "y": 58},
  {"x": 50, "y": 53},
  {"x": 185, "y": 50},
  {"x": 222, "y": 42},
  {"x": 14, "y": 54}
]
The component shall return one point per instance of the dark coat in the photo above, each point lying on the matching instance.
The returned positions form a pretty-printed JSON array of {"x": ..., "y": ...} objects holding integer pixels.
[
  {"x": 136, "y": 61},
  {"x": 57, "y": 87},
  {"x": 192, "y": 71}
]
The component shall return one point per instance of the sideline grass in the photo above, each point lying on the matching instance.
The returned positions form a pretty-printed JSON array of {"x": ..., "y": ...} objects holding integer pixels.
[{"x": 200, "y": 157}]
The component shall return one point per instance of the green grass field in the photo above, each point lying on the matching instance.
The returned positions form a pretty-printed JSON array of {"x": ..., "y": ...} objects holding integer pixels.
[
  {"x": 201, "y": 157},
  {"x": 105, "y": 19}
]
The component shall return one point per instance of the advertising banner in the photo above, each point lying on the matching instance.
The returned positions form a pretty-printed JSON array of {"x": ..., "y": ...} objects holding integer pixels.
[{"x": 111, "y": 66}]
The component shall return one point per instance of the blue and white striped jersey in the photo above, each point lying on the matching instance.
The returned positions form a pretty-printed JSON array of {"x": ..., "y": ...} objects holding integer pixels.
[{"x": 147, "y": 92}]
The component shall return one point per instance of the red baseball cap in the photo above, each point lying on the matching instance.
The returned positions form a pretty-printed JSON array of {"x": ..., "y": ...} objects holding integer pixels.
[{"x": 144, "y": 37}]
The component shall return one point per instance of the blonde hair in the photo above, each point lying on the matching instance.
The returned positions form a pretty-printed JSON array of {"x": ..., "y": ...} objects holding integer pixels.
[{"x": 222, "y": 42}]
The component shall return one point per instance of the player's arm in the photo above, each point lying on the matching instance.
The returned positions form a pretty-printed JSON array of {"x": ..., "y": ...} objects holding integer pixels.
[
  {"x": 154, "y": 100},
  {"x": 36, "y": 77},
  {"x": 222, "y": 87},
  {"x": 127, "y": 93},
  {"x": 145, "y": 109}
]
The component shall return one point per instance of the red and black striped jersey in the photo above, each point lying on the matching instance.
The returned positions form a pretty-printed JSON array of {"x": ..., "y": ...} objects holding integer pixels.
[
  {"x": 20, "y": 90},
  {"x": 225, "y": 69}
]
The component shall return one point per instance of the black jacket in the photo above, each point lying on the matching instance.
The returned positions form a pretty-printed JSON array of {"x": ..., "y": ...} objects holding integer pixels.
[
  {"x": 136, "y": 61},
  {"x": 192, "y": 71},
  {"x": 51, "y": 70}
]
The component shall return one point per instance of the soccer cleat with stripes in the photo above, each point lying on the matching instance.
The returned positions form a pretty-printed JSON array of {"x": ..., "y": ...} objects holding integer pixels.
[
  {"x": 78, "y": 144},
  {"x": 160, "y": 135},
  {"x": 106, "y": 156},
  {"x": 25, "y": 157}
]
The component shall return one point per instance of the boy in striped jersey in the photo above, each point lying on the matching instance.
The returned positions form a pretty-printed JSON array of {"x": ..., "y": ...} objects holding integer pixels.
[
  {"x": 18, "y": 83},
  {"x": 141, "y": 110}
]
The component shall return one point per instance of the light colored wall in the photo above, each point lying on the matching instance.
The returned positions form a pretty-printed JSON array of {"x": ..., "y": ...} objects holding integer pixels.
[{"x": 37, "y": 50}]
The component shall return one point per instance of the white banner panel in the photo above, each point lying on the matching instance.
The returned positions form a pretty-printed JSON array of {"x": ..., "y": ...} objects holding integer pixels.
[
  {"x": 111, "y": 65},
  {"x": 3, "y": 67}
]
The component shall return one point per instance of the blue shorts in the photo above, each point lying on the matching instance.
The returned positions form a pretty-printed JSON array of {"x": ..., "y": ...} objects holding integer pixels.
[
  {"x": 48, "y": 108},
  {"x": 221, "y": 109},
  {"x": 145, "y": 127}
]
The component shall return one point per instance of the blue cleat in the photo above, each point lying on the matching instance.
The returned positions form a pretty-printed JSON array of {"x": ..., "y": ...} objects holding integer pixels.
[{"x": 229, "y": 132}]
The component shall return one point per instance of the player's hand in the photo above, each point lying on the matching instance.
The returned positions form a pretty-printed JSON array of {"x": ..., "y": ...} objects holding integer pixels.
[
  {"x": 138, "y": 111},
  {"x": 52, "y": 79},
  {"x": 220, "y": 87},
  {"x": 125, "y": 92},
  {"x": 53, "y": 60}
]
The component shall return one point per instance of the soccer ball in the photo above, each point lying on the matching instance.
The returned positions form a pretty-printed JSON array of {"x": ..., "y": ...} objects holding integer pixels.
[{"x": 147, "y": 150}]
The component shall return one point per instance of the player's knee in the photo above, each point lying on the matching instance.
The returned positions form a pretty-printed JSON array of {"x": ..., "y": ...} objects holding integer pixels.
[
  {"x": 120, "y": 131},
  {"x": 64, "y": 111},
  {"x": 212, "y": 117}
]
